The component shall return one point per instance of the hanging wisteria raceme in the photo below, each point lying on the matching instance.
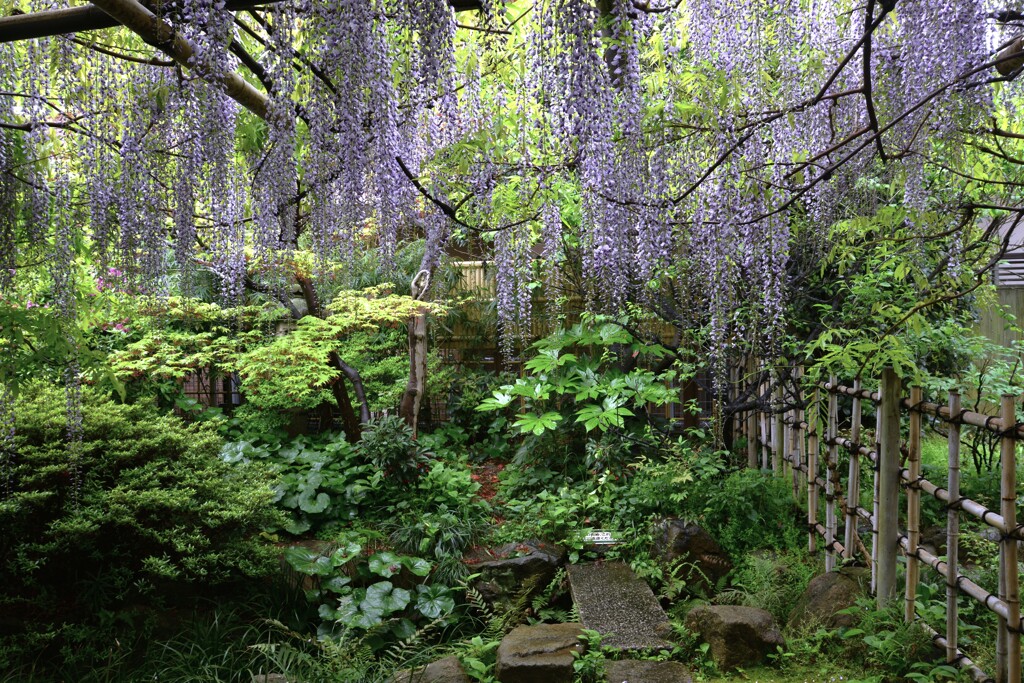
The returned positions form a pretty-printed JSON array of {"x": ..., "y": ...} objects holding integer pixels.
[
  {"x": 513, "y": 263},
  {"x": 65, "y": 220},
  {"x": 8, "y": 185}
]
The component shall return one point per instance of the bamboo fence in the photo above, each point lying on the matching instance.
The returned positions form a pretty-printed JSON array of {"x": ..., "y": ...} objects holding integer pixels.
[{"x": 813, "y": 457}]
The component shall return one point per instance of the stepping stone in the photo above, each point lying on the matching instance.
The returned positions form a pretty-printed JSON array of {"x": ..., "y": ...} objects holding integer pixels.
[
  {"x": 538, "y": 654},
  {"x": 642, "y": 671},
  {"x": 613, "y": 601}
]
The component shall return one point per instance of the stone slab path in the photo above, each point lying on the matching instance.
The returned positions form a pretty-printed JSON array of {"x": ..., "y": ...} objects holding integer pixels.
[{"x": 613, "y": 601}]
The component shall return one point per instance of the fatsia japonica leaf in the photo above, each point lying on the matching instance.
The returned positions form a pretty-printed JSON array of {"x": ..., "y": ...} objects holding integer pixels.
[{"x": 537, "y": 424}]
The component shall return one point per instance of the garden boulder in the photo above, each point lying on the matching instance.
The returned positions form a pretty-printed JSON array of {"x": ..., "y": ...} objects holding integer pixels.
[
  {"x": 538, "y": 654},
  {"x": 829, "y": 594},
  {"x": 738, "y": 636},
  {"x": 647, "y": 671},
  {"x": 506, "y": 572},
  {"x": 677, "y": 541},
  {"x": 447, "y": 670}
]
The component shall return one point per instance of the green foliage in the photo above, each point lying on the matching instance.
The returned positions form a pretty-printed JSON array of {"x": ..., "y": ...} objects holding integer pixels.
[
  {"x": 884, "y": 642},
  {"x": 388, "y": 445},
  {"x": 320, "y": 480},
  {"x": 444, "y": 534},
  {"x": 483, "y": 429},
  {"x": 589, "y": 664},
  {"x": 580, "y": 376},
  {"x": 882, "y": 296},
  {"x": 770, "y": 581},
  {"x": 145, "y": 506},
  {"x": 748, "y": 511},
  {"x": 377, "y": 593}
]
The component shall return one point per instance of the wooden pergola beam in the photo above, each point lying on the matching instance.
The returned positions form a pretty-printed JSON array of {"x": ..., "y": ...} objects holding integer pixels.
[
  {"x": 89, "y": 18},
  {"x": 161, "y": 35}
]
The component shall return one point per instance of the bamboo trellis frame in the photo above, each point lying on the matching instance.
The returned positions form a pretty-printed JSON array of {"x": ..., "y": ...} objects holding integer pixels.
[{"x": 815, "y": 457}]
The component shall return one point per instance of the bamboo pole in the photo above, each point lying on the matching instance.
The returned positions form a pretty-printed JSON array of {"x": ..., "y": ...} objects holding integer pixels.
[
  {"x": 830, "y": 493},
  {"x": 801, "y": 433},
  {"x": 734, "y": 418},
  {"x": 953, "y": 531},
  {"x": 751, "y": 420},
  {"x": 779, "y": 430},
  {"x": 874, "y": 498},
  {"x": 888, "y": 488},
  {"x": 765, "y": 431},
  {"x": 913, "y": 507},
  {"x": 812, "y": 470},
  {"x": 853, "y": 479},
  {"x": 794, "y": 453},
  {"x": 1008, "y": 570}
]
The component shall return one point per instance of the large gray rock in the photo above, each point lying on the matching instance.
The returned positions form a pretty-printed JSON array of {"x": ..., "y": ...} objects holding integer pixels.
[
  {"x": 447, "y": 670},
  {"x": 646, "y": 671},
  {"x": 738, "y": 636},
  {"x": 613, "y": 601},
  {"x": 827, "y": 595},
  {"x": 677, "y": 541},
  {"x": 508, "y": 571},
  {"x": 538, "y": 654}
]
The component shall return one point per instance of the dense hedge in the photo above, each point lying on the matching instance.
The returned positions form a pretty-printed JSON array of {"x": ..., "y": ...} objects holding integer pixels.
[{"x": 144, "y": 515}]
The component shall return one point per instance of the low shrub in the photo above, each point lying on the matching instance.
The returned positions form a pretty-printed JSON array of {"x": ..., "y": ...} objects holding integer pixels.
[{"x": 143, "y": 514}]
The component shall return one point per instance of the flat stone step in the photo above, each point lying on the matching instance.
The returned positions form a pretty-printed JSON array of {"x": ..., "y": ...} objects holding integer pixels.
[
  {"x": 645, "y": 671},
  {"x": 613, "y": 601}
]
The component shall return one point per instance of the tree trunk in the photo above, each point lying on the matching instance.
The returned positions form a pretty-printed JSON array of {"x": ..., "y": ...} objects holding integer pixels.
[
  {"x": 415, "y": 387},
  {"x": 351, "y": 424}
]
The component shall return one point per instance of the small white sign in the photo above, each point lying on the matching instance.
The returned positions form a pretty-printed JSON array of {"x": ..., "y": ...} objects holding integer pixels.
[{"x": 600, "y": 537}]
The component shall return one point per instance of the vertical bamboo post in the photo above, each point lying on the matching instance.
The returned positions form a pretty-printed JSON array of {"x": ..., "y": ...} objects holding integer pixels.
[
  {"x": 766, "y": 439},
  {"x": 953, "y": 528},
  {"x": 830, "y": 463},
  {"x": 799, "y": 450},
  {"x": 751, "y": 421},
  {"x": 913, "y": 506},
  {"x": 1008, "y": 571},
  {"x": 888, "y": 488},
  {"x": 794, "y": 453},
  {"x": 853, "y": 481},
  {"x": 812, "y": 471},
  {"x": 735, "y": 424},
  {"x": 874, "y": 498},
  {"x": 778, "y": 438}
]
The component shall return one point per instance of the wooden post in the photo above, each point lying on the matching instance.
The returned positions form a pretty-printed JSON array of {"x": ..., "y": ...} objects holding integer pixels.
[
  {"x": 953, "y": 529},
  {"x": 830, "y": 463},
  {"x": 778, "y": 433},
  {"x": 1008, "y": 571},
  {"x": 913, "y": 506},
  {"x": 888, "y": 488},
  {"x": 812, "y": 471},
  {"x": 853, "y": 482}
]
